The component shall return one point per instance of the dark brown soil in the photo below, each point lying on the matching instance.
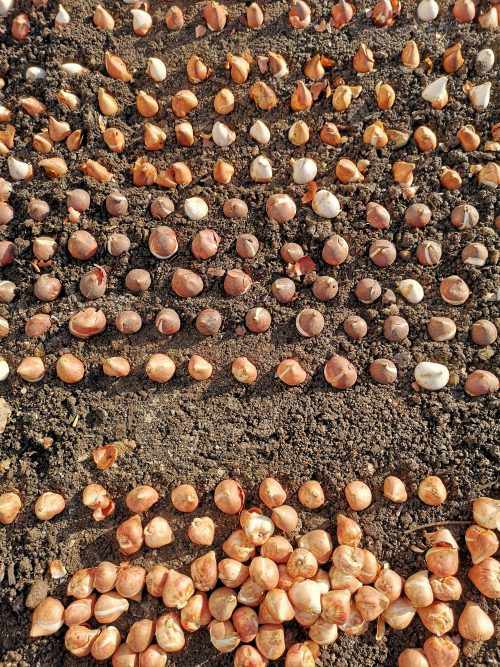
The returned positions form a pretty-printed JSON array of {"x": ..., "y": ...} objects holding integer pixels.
[{"x": 204, "y": 432}]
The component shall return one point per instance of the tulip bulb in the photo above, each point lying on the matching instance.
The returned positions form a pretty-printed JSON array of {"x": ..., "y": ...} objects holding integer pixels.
[
  {"x": 436, "y": 93},
  {"x": 485, "y": 60},
  {"x": 399, "y": 613},
  {"x": 370, "y": 602},
  {"x": 363, "y": 60},
  {"x": 358, "y": 495},
  {"x": 222, "y": 135},
  {"x": 18, "y": 170},
  {"x": 169, "y": 633},
  {"x": 260, "y": 132},
  {"x": 116, "y": 68},
  {"x": 489, "y": 176},
  {"x": 431, "y": 490},
  {"x": 441, "y": 651},
  {"x": 69, "y": 100},
  {"x": 325, "y": 204},
  {"x": 299, "y": 15},
  {"x": 453, "y": 58},
  {"x": 156, "y": 70},
  {"x": 418, "y": 589},
  {"x": 155, "y": 580},
  {"x": 403, "y": 173},
  {"x": 474, "y": 624},
  {"x": 154, "y": 137},
  {"x": 375, "y": 135},
  {"x": 336, "y": 606},
  {"x": 141, "y": 22},
  {"x": 347, "y": 172},
  {"x": 395, "y": 490},
  {"x": 355, "y": 625},
  {"x": 197, "y": 71},
  {"x": 437, "y": 618},
  {"x": 10, "y": 503},
  {"x": 486, "y": 577},
  {"x": 79, "y": 611},
  {"x": 277, "y": 65},
  {"x": 178, "y": 589},
  {"x": 103, "y": 19},
  {"x": 412, "y": 657},
  {"x": 107, "y": 103},
  {"x": 79, "y": 639},
  {"x": 239, "y": 67},
  {"x": 62, "y": 19},
  {"x": 35, "y": 73},
  {"x": 486, "y": 512},
  {"x": 315, "y": 67},
  {"x": 481, "y": 543},
  {"x": 306, "y": 596},
  {"x": 106, "y": 643},
  {"x": 464, "y": 10},
  {"x": 48, "y": 618},
  {"x": 73, "y": 69},
  {"x": 254, "y": 16},
  {"x": 261, "y": 170},
  {"x": 6, "y": 6},
  {"x": 201, "y": 531},
  {"x": 264, "y": 97},
  {"x": 489, "y": 20},
  {"x": 298, "y": 134},
  {"x": 480, "y": 96},
  {"x": 114, "y": 139},
  {"x": 427, "y": 10},
  {"x": 446, "y": 588},
  {"x": 48, "y": 505},
  {"x": 342, "y": 12},
  {"x": 301, "y": 99},
  {"x": 215, "y": 15},
  {"x": 410, "y": 56},
  {"x": 442, "y": 560},
  {"x": 258, "y": 528}
]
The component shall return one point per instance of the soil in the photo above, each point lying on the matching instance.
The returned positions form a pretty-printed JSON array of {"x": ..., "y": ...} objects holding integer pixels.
[{"x": 205, "y": 432}]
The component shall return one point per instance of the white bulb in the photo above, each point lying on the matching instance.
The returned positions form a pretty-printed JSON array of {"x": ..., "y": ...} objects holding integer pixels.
[
  {"x": 435, "y": 92},
  {"x": 156, "y": 70},
  {"x": 6, "y": 6},
  {"x": 35, "y": 73},
  {"x": 480, "y": 96},
  {"x": 260, "y": 132},
  {"x": 304, "y": 170},
  {"x": 485, "y": 60},
  {"x": 428, "y": 10},
  {"x": 222, "y": 134},
  {"x": 325, "y": 204},
  {"x": 141, "y": 21},
  {"x": 4, "y": 370},
  {"x": 62, "y": 18},
  {"x": 411, "y": 290},
  {"x": 19, "y": 171},
  {"x": 431, "y": 376},
  {"x": 195, "y": 208},
  {"x": 261, "y": 170},
  {"x": 73, "y": 69}
]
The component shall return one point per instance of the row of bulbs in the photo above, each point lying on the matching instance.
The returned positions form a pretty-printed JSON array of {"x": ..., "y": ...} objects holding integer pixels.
[
  {"x": 339, "y": 372},
  {"x": 215, "y": 14},
  {"x": 304, "y": 170}
]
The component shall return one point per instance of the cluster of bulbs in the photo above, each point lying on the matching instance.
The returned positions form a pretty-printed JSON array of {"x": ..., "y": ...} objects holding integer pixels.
[{"x": 269, "y": 576}]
